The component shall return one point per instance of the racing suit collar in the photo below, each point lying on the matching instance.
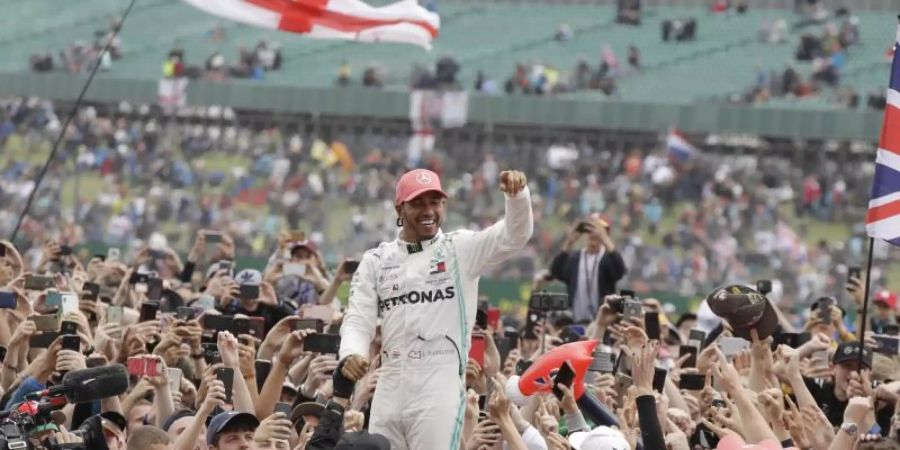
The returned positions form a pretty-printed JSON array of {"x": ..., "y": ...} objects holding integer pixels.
[{"x": 416, "y": 247}]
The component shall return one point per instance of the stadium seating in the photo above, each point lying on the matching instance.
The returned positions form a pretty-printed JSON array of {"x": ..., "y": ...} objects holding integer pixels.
[{"x": 490, "y": 37}]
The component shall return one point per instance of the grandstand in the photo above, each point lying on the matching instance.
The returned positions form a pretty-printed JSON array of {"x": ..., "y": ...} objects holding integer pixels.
[{"x": 491, "y": 37}]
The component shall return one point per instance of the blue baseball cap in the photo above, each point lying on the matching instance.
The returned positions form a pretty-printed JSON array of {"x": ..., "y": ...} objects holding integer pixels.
[{"x": 222, "y": 420}]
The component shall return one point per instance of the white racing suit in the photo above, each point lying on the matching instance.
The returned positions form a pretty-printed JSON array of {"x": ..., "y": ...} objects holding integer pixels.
[{"x": 427, "y": 295}]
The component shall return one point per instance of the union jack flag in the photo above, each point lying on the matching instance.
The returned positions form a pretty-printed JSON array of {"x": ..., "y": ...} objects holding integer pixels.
[{"x": 883, "y": 218}]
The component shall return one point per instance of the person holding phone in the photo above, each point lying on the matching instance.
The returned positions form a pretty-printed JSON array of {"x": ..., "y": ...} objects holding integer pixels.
[
  {"x": 424, "y": 285},
  {"x": 265, "y": 304},
  {"x": 591, "y": 273}
]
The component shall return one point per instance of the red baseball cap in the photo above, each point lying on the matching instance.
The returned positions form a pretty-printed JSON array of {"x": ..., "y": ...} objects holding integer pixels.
[
  {"x": 415, "y": 183},
  {"x": 887, "y": 297}
]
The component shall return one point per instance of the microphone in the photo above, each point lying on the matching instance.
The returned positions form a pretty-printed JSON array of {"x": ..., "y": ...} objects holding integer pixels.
[{"x": 88, "y": 385}]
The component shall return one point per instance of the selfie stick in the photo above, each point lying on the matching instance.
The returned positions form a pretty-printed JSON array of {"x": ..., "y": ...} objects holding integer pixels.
[
  {"x": 62, "y": 130},
  {"x": 865, "y": 309}
]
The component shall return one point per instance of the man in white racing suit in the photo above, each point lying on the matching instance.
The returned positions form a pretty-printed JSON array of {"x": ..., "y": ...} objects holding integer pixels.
[{"x": 424, "y": 286}]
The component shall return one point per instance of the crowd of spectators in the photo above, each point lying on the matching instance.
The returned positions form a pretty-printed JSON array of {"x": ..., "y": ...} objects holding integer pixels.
[
  {"x": 156, "y": 180},
  {"x": 81, "y": 56},
  {"x": 251, "y": 64}
]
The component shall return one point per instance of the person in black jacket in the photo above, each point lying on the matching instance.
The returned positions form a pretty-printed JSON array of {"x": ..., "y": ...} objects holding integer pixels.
[{"x": 591, "y": 273}]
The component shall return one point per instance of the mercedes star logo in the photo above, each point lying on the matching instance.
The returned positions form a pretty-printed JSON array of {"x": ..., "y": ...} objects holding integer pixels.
[{"x": 423, "y": 178}]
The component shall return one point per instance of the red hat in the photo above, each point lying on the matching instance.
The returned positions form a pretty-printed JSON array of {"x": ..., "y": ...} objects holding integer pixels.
[
  {"x": 304, "y": 244},
  {"x": 415, "y": 183},
  {"x": 887, "y": 297}
]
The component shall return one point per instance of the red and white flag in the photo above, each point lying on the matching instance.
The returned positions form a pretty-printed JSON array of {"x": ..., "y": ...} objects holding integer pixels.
[{"x": 402, "y": 22}]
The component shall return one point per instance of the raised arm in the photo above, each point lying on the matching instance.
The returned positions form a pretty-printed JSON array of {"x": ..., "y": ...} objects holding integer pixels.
[
  {"x": 358, "y": 328},
  {"x": 506, "y": 237}
]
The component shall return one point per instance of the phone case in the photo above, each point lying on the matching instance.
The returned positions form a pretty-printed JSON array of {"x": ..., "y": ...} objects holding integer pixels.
[
  {"x": 476, "y": 352},
  {"x": 565, "y": 376},
  {"x": 71, "y": 343},
  {"x": 226, "y": 376},
  {"x": 136, "y": 365}
]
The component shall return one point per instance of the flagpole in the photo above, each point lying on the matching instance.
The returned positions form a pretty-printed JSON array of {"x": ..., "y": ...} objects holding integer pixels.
[
  {"x": 62, "y": 130},
  {"x": 865, "y": 308}
]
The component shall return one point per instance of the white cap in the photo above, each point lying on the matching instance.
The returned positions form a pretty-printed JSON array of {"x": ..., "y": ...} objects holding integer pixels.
[
  {"x": 600, "y": 438},
  {"x": 513, "y": 392}
]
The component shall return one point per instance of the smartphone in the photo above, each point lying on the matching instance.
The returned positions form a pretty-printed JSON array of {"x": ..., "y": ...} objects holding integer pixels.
[
  {"x": 136, "y": 365},
  {"x": 764, "y": 286},
  {"x": 67, "y": 327},
  {"x": 733, "y": 345},
  {"x": 549, "y": 301},
  {"x": 263, "y": 367},
  {"x": 659, "y": 379},
  {"x": 476, "y": 351},
  {"x": 891, "y": 329},
  {"x": 151, "y": 367},
  {"x": 114, "y": 314},
  {"x": 226, "y": 376},
  {"x": 706, "y": 438},
  {"x": 651, "y": 324},
  {"x": 854, "y": 272},
  {"x": 513, "y": 337},
  {"x": 43, "y": 340},
  {"x": 502, "y": 344},
  {"x": 823, "y": 310},
  {"x": 582, "y": 227},
  {"x": 8, "y": 299},
  {"x": 240, "y": 325},
  {"x": 215, "y": 322},
  {"x": 154, "y": 289},
  {"x": 697, "y": 338},
  {"x": 692, "y": 381},
  {"x": 249, "y": 292},
  {"x": 68, "y": 303},
  {"x": 350, "y": 266},
  {"x": 284, "y": 408},
  {"x": 310, "y": 324},
  {"x": 184, "y": 313},
  {"x": 632, "y": 310},
  {"x": 481, "y": 319},
  {"x": 565, "y": 376},
  {"x": 297, "y": 269},
  {"x": 887, "y": 345},
  {"x": 604, "y": 362},
  {"x": 148, "y": 311},
  {"x": 688, "y": 350},
  {"x": 94, "y": 361},
  {"x": 112, "y": 254},
  {"x": 322, "y": 312},
  {"x": 212, "y": 237},
  {"x": 258, "y": 327},
  {"x": 65, "y": 250},
  {"x": 793, "y": 340},
  {"x": 46, "y": 322},
  {"x": 174, "y": 376},
  {"x": 38, "y": 282},
  {"x": 627, "y": 293},
  {"x": 493, "y": 317},
  {"x": 211, "y": 354},
  {"x": 90, "y": 291},
  {"x": 71, "y": 342},
  {"x": 322, "y": 343}
]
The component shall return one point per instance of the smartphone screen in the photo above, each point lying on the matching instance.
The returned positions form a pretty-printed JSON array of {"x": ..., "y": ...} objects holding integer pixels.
[
  {"x": 70, "y": 342},
  {"x": 322, "y": 343},
  {"x": 659, "y": 379},
  {"x": 604, "y": 362},
  {"x": 212, "y": 237},
  {"x": 8, "y": 298},
  {"x": 565, "y": 376},
  {"x": 174, "y": 376},
  {"x": 284, "y": 408},
  {"x": 90, "y": 291},
  {"x": 68, "y": 303},
  {"x": 481, "y": 319},
  {"x": 148, "y": 311},
  {"x": 114, "y": 314},
  {"x": 697, "y": 338},
  {"x": 136, "y": 365},
  {"x": 887, "y": 345},
  {"x": 263, "y": 367},
  {"x": 350, "y": 266},
  {"x": 38, "y": 283},
  {"x": 476, "y": 351},
  {"x": 154, "y": 289},
  {"x": 651, "y": 324},
  {"x": 733, "y": 345},
  {"x": 68, "y": 327},
  {"x": 692, "y": 381},
  {"x": 46, "y": 322},
  {"x": 513, "y": 337},
  {"x": 310, "y": 324},
  {"x": 323, "y": 312},
  {"x": 296, "y": 269},
  {"x": 211, "y": 354},
  {"x": 633, "y": 310},
  {"x": 691, "y": 350},
  {"x": 226, "y": 376}
]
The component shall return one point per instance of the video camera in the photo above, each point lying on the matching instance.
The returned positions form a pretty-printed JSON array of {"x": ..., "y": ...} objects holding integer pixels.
[{"x": 21, "y": 425}]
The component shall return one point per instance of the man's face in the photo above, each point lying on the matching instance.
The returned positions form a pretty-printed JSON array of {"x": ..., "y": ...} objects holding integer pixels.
[
  {"x": 234, "y": 440},
  {"x": 842, "y": 373},
  {"x": 422, "y": 216},
  {"x": 136, "y": 415}
]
